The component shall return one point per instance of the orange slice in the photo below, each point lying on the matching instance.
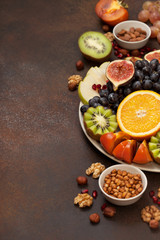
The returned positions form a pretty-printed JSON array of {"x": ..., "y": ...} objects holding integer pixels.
[{"x": 138, "y": 114}]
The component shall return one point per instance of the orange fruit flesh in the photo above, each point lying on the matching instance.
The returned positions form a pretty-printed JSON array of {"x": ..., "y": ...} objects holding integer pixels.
[{"x": 139, "y": 114}]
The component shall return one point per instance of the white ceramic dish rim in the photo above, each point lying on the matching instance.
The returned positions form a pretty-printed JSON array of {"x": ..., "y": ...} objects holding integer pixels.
[
  {"x": 150, "y": 167},
  {"x": 132, "y": 21},
  {"x": 123, "y": 166}
]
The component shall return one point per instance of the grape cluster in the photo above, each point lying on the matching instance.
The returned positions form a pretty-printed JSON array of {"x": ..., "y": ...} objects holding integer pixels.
[
  {"x": 146, "y": 77},
  {"x": 151, "y": 13}
]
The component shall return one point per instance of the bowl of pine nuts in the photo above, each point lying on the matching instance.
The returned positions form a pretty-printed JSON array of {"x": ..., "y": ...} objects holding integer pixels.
[{"x": 122, "y": 184}]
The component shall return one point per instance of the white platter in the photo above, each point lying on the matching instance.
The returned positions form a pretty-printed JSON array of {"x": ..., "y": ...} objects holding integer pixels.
[{"x": 150, "y": 167}]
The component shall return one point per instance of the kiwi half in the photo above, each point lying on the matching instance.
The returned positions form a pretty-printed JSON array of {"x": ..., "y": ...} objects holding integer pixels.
[
  {"x": 98, "y": 121},
  {"x": 154, "y": 147},
  {"x": 95, "y": 46}
]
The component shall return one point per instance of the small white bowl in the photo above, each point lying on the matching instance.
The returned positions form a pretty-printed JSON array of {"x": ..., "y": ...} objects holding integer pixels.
[
  {"x": 127, "y": 25},
  {"x": 128, "y": 168}
]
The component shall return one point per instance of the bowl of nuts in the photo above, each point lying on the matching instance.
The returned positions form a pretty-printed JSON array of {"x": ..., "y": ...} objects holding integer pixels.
[
  {"x": 131, "y": 34},
  {"x": 122, "y": 184}
]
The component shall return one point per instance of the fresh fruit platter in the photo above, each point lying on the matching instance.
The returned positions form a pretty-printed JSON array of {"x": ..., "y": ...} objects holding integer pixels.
[{"x": 119, "y": 109}]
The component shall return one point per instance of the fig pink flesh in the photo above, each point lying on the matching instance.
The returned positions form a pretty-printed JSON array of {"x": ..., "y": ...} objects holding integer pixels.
[{"x": 120, "y": 72}]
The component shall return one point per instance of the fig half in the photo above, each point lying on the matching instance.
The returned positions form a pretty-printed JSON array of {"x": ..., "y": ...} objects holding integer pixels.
[
  {"x": 120, "y": 72},
  {"x": 152, "y": 55}
]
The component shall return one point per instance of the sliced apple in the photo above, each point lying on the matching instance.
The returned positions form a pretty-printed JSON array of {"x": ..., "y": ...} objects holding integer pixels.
[{"x": 95, "y": 75}]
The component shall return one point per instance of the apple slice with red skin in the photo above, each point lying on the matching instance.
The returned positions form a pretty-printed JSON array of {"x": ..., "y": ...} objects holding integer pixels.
[
  {"x": 110, "y": 140},
  {"x": 125, "y": 150},
  {"x": 142, "y": 155}
]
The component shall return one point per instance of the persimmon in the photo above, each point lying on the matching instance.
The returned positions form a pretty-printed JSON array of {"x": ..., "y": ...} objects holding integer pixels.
[
  {"x": 142, "y": 155},
  {"x": 125, "y": 150},
  {"x": 111, "y": 12},
  {"x": 110, "y": 140}
]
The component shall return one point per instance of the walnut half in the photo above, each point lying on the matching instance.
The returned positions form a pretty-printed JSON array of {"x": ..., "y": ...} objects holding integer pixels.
[
  {"x": 84, "y": 200},
  {"x": 150, "y": 212},
  {"x": 96, "y": 169},
  {"x": 110, "y": 36}
]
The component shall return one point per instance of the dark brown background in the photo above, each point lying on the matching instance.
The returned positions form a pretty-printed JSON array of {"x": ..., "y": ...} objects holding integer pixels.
[{"x": 42, "y": 146}]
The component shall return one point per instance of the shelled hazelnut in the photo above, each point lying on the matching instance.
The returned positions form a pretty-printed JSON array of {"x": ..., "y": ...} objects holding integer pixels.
[
  {"x": 94, "y": 218},
  {"x": 81, "y": 180},
  {"x": 79, "y": 65},
  {"x": 109, "y": 211}
]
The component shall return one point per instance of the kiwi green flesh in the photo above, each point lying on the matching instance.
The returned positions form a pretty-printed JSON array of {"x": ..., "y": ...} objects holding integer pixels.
[
  {"x": 158, "y": 135},
  {"x": 99, "y": 121},
  {"x": 155, "y": 152},
  {"x": 154, "y": 140},
  {"x": 154, "y": 147},
  {"x": 95, "y": 46}
]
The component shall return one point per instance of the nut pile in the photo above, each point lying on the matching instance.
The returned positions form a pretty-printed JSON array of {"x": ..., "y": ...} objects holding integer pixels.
[
  {"x": 83, "y": 199},
  {"x": 133, "y": 35},
  {"x": 122, "y": 184},
  {"x": 151, "y": 215}
]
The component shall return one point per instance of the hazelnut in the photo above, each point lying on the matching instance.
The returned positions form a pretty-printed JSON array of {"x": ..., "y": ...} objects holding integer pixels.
[
  {"x": 135, "y": 52},
  {"x": 79, "y": 65},
  {"x": 72, "y": 85},
  {"x": 109, "y": 211},
  {"x": 154, "y": 224},
  {"x": 124, "y": 51},
  {"x": 73, "y": 82},
  {"x": 81, "y": 180},
  {"x": 105, "y": 28},
  {"x": 94, "y": 218}
]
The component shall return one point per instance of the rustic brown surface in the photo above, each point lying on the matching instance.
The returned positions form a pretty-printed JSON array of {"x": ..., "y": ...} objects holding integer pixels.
[{"x": 42, "y": 146}]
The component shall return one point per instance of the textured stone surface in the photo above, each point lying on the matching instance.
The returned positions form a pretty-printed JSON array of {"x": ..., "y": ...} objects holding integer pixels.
[{"x": 42, "y": 146}]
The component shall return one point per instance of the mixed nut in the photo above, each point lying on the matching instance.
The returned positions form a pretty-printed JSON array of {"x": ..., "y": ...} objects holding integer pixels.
[
  {"x": 120, "y": 184},
  {"x": 73, "y": 82},
  {"x": 151, "y": 215}
]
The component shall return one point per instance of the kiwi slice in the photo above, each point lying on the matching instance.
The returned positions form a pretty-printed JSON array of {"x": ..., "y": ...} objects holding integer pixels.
[
  {"x": 154, "y": 147},
  {"x": 95, "y": 46},
  {"x": 98, "y": 121}
]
